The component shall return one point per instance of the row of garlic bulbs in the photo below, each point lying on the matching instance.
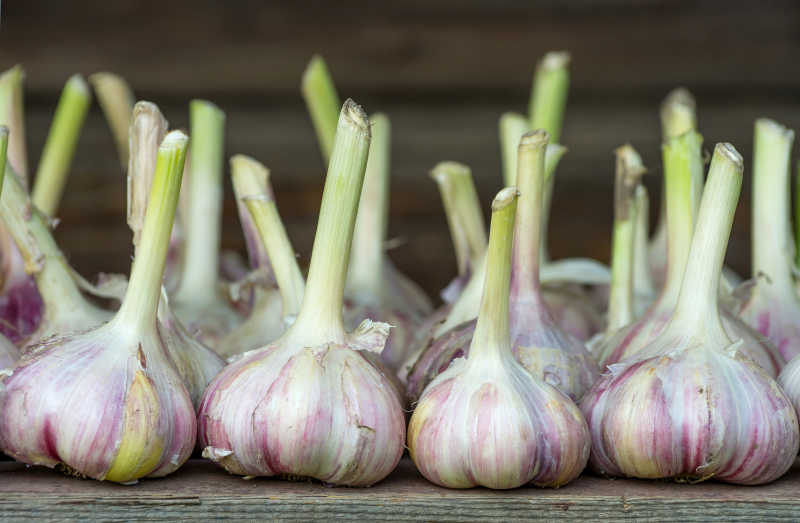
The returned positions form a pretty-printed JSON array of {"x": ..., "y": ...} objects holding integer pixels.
[{"x": 494, "y": 375}]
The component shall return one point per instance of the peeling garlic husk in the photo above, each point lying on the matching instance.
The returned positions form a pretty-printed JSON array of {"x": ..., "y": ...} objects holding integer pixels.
[
  {"x": 310, "y": 404},
  {"x": 486, "y": 421},
  {"x": 538, "y": 343},
  {"x": 107, "y": 403},
  {"x": 690, "y": 406}
]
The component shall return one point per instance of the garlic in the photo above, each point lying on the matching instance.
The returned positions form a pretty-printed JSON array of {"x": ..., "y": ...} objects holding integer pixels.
[
  {"x": 64, "y": 308},
  {"x": 690, "y": 406},
  {"x": 485, "y": 420},
  {"x": 644, "y": 290},
  {"x": 8, "y": 351},
  {"x": 274, "y": 309},
  {"x": 465, "y": 221},
  {"x": 116, "y": 99},
  {"x": 539, "y": 344},
  {"x": 195, "y": 363},
  {"x": 12, "y": 115},
  {"x": 683, "y": 165},
  {"x": 768, "y": 302},
  {"x": 106, "y": 403},
  {"x": 197, "y": 300},
  {"x": 310, "y": 404}
]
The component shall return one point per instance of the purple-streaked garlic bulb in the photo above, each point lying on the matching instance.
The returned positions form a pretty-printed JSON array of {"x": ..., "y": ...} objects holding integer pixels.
[
  {"x": 690, "y": 406},
  {"x": 486, "y": 421},
  {"x": 465, "y": 221},
  {"x": 538, "y": 343},
  {"x": 107, "y": 403},
  {"x": 310, "y": 404},
  {"x": 198, "y": 301},
  {"x": 768, "y": 302},
  {"x": 274, "y": 308},
  {"x": 683, "y": 165}
]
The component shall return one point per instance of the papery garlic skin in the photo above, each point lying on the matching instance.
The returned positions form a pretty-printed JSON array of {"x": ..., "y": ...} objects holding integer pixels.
[
  {"x": 485, "y": 420},
  {"x": 9, "y": 354},
  {"x": 322, "y": 412},
  {"x": 691, "y": 415},
  {"x": 789, "y": 380},
  {"x": 501, "y": 432},
  {"x": 139, "y": 423}
]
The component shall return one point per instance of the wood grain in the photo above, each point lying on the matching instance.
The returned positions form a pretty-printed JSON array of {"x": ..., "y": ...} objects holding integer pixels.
[{"x": 203, "y": 490}]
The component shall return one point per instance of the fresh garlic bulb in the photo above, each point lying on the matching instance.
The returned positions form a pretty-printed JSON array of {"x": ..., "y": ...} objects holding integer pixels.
[
  {"x": 768, "y": 302},
  {"x": 539, "y": 344},
  {"x": 106, "y": 403},
  {"x": 274, "y": 309},
  {"x": 198, "y": 302},
  {"x": 683, "y": 164},
  {"x": 690, "y": 406},
  {"x": 485, "y": 420},
  {"x": 310, "y": 404}
]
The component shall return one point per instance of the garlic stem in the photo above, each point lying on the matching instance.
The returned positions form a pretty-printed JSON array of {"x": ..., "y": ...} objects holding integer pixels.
[
  {"x": 628, "y": 173},
  {"x": 463, "y": 210},
  {"x": 682, "y": 158},
  {"x": 116, "y": 99},
  {"x": 251, "y": 177},
  {"x": 33, "y": 238},
  {"x": 323, "y": 103},
  {"x": 148, "y": 128},
  {"x": 797, "y": 217},
  {"x": 51, "y": 173},
  {"x": 771, "y": 238},
  {"x": 512, "y": 127},
  {"x": 642, "y": 279},
  {"x": 320, "y": 319},
  {"x": 199, "y": 280},
  {"x": 678, "y": 116},
  {"x": 12, "y": 114},
  {"x": 491, "y": 331},
  {"x": 3, "y": 153},
  {"x": 528, "y": 228},
  {"x": 697, "y": 306},
  {"x": 553, "y": 155},
  {"x": 140, "y": 304},
  {"x": 250, "y": 181},
  {"x": 549, "y": 94},
  {"x": 365, "y": 273}
]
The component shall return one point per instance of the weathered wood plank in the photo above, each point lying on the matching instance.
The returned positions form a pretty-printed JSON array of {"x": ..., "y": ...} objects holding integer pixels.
[{"x": 202, "y": 490}]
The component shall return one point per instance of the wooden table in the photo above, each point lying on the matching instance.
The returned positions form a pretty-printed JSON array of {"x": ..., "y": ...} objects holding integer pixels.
[{"x": 203, "y": 491}]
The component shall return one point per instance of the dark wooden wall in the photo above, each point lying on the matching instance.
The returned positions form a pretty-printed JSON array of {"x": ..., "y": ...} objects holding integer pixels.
[{"x": 444, "y": 71}]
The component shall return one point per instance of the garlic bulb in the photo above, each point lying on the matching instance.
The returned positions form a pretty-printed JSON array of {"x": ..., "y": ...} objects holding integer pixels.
[
  {"x": 106, "y": 403},
  {"x": 198, "y": 301},
  {"x": 690, "y": 406},
  {"x": 310, "y": 404},
  {"x": 768, "y": 302},
  {"x": 465, "y": 221},
  {"x": 683, "y": 165},
  {"x": 274, "y": 309},
  {"x": 485, "y": 420},
  {"x": 539, "y": 344}
]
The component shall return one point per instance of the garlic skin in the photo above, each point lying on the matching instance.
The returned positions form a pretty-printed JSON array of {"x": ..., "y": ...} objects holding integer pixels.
[
  {"x": 9, "y": 354},
  {"x": 106, "y": 403},
  {"x": 486, "y": 421},
  {"x": 768, "y": 302},
  {"x": 690, "y": 406},
  {"x": 310, "y": 404}
]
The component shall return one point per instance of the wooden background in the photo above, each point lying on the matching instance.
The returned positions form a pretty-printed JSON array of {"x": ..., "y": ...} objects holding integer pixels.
[{"x": 444, "y": 71}]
